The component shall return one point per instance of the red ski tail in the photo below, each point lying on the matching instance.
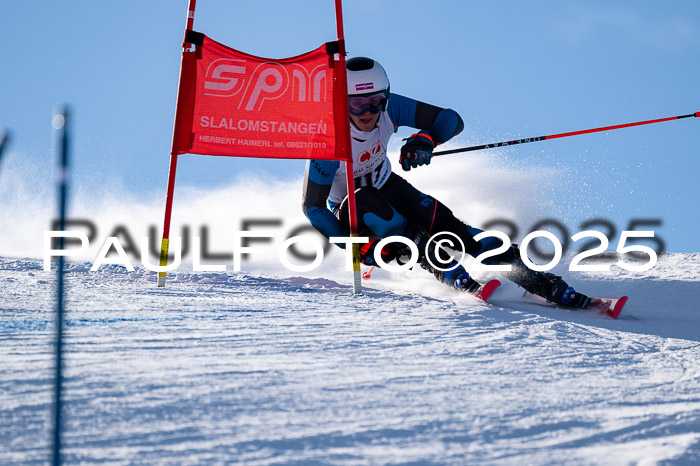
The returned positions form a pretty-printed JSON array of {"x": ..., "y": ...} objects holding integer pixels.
[
  {"x": 485, "y": 291},
  {"x": 608, "y": 306},
  {"x": 616, "y": 307}
]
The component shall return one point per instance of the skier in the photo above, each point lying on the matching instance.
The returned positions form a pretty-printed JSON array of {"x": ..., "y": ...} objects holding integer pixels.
[{"x": 387, "y": 205}]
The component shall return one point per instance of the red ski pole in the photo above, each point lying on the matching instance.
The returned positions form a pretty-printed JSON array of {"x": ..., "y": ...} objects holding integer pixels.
[{"x": 562, "y": 135}]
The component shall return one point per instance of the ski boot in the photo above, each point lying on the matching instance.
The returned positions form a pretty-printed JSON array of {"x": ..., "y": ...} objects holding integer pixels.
[
  {"x": 445, "y": 269},
  {"x": 554, "y": 289},
  {"x": 457, "y": 277},
  {"x": 551, "y": 287},
  {"x": 572, "y": 298}
]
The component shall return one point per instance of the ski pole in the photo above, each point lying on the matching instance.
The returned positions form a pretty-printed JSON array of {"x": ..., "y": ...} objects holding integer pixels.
[{"x": 562, "y": 135}]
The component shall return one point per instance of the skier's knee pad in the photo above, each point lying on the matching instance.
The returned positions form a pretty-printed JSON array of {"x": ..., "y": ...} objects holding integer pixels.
[
  {"x": 385, "y": 225},
  {"x": 375, "y": 214}
]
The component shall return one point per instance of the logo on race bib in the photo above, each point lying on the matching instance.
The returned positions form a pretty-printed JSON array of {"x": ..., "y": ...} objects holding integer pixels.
[{"x": 366, "y": 156}]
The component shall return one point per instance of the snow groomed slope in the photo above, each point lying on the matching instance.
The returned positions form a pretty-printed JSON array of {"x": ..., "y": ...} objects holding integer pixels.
[{"x": 262, "y": 368}]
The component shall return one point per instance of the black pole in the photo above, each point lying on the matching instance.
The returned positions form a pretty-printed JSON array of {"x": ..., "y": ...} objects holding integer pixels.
[
  {"x": 561, "y": 135},
  {"x": 4, "y": 142},
  {"x": 61, "y": 145}
]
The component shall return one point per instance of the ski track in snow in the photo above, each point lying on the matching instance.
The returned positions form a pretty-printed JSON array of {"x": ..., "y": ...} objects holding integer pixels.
[{"x": 258, "y": 369}]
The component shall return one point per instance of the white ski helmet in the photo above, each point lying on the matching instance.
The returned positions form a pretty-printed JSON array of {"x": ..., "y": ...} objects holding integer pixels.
[{"x": 366, "y": 76}]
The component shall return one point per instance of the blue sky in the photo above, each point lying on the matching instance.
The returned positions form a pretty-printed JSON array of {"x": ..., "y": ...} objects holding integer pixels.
[{"x": 512, "y": 69}]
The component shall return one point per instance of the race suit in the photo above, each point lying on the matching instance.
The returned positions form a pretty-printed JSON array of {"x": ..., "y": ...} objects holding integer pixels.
[{"x": 386, "y": 203}]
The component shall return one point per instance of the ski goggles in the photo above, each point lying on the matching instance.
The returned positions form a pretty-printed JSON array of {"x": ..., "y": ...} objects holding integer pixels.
[{"x": 373, "y": 103}]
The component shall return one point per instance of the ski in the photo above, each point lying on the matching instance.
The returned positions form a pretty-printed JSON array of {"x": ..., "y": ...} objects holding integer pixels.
[
  {"x": 485, "y": 291},
  {"x": 611, "y": 307}
]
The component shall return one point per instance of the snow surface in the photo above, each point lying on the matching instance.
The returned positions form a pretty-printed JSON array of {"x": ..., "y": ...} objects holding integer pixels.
[{"x": 263, "y": 368}]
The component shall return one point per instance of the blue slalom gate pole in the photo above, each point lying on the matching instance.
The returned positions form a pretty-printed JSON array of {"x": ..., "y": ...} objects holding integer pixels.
[
  {"x": 4, "y": 141},
  {"x": 61, "y": 146}
]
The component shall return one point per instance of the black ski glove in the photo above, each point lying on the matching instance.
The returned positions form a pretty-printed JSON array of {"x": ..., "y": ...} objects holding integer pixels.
[
  {"x": 417, "y": 151},
  {"x": 388, "y": 252}
]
